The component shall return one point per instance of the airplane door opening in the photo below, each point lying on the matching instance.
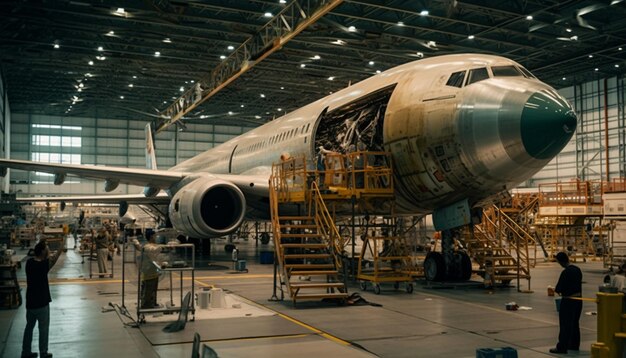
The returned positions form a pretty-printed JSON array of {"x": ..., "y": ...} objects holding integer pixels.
[{"x": 357, "y": 125}]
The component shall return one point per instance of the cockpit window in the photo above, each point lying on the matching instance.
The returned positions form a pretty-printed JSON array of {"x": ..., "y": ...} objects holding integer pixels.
[
  {"x": 476, "y": 75},
  {"x": 505, "y": 71},
  {"x": 456, "y": 79},
  {"x": 526, "y": 72}
]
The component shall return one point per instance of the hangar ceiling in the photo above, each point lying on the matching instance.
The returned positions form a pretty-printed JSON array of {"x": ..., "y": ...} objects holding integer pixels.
[{"x": 133, "y": 58}]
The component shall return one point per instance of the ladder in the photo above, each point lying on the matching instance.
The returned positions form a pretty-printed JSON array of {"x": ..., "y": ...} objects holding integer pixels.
[{"x": 307, "y": 246}]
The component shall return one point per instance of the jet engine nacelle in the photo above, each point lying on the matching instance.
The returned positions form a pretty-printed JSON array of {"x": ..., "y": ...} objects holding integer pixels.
[{"x": 207, "y": 208}]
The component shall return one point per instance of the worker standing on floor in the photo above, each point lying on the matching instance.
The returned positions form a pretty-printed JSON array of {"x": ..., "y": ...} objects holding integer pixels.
[
  {"x": 38, "y": 299},
  {"x": 570, "y": 288},
  {"x": 149, "y": 272},
  {"x": 103, "y": 240}
]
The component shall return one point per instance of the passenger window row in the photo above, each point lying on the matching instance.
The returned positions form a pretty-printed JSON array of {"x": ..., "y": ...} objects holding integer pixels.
[{"x": 277, "y": 138}]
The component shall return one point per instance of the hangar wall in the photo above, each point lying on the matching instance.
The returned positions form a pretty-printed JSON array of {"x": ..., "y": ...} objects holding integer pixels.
[
  {"x": 101, "y": 141},
  {"x": 601, "y": 109},
  {"x": 5, "y": 129}
]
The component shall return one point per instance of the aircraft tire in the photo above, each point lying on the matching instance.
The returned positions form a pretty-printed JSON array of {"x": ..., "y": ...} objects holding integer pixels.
[{"x": 434, "y": 267}]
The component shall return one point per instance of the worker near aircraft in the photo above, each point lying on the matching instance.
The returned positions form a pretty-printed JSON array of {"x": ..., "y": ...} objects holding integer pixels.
[
  {"x": 102, "y": 240},
  {"x": 569, "y": 287},
  {"x": 38, "y": 299},
  {"x": 149, "y": 278}
]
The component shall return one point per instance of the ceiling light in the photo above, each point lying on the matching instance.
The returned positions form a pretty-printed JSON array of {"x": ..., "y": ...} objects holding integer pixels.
[
  {"x": 268, "y": 14},
  {"x": 619, "y": 49},
  {"x": 88, "y": 74},
  {"x": 262, "y": 95},
  {"x": 181, "y": 89},
  {"x": 574, "y": 38},
  {"x": 135, "y": 77},
  {"x": 130, "y": 85},
  {"x": 419, "y": 54},
  {"x": 242, "y": 106},
  {"x": 529, "y": 17},
  {"x": 564, "y": 78},
  {"x": 80, "y": 90},
  {"x": 590, "y": 56},
  {"x": 101, "y": 58},
  {"x": 431, "y": 44},
  {"x": 568, "y": 30},
  {"x": 110, "y": 33},
  {"x": 471, "y": 37},
  {"x": 282, "y": 88},
  {"x": 157, "y": 54},
  {"x": 338, "y": 42},
  {"x": 230, "y": 113},
  {"x": 121, "y": 97},
  {"x": 282, "y": 1},
  {"x": 257, "y": 117},
  {"x": 56, "y": 46},
  {"x": 167, "y": 40},
  {"x": 222, "y": 57},
  {"x": 316, "y": 57},
  {"x": 231, "y": 47},
  {"x": 100, "y": 48},
  {"x": 377, "y": 71},
  {"x": 595, "y": 69},
  {"x": 352, "y": 29},
  {"x": 616, "y": 66},
  {"x": 371, "y": 63},
  {"x": 424, "y": 12},
  {"x": 202, "y": 116},
  {"x": 90, "y": 63},
  {"x": 279, "y": 109},
  {"x": 81, "y": 85},
  {"x": 400, "y": 23},
  {"x": 192, "y": 81},
  {"x": 302, "y": 65},
  {"x": 164, "y": 102},
  {"x": 120, "y": 10},
  {"x": 331, "y": 78}
]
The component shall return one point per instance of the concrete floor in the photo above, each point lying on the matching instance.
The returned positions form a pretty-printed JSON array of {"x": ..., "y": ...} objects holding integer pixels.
[{"x": 433, "y": 321}]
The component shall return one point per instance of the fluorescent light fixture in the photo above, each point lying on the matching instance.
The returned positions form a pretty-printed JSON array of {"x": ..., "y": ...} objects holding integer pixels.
[
  {"x": 564, "y": 78},
  {"x": 616, "y": 66},
  {"x": 282, "y": 1},
  {"x": 371, "y": 63},
  {"x": 331, "y": 78},
  {"x": 222, "y": 57},
  {"x": 619, "y": 49},
  {"x": 262, "y": 95},
  {"x": 268, "y": 14},
  {"x": 424, "y": 12},
  {"x": 282, "y": 88},
  {"x": 400, "y": 23},
  {"x": 192, "y": 81},
  {"x": 242, "y": 106},
  {"x": 81, "y": 85},
  {"x": 471, "y": 37},
  {"x": 377, "y": 71},
  {"x": 316, "y": 57},
  {"x": 110, "y": 33},
  {"x": 80, "y": 90},
  {"x": 135, "y": 77},
  {"x": 88, "y": 74},
  {"x": 164, "y": 102},
  {"x": 101, "y": 58},
  {"x": 590, "y": 56},
  {"x": 120, "y": 10},
  {"x": 302, "y": 65},
  {"x": 257, "y": 117},
  {"x": 130, "y": 85},
  {"x": 230, "y": 113},
  {"x": 181, "y": 89},
  {"x": 231, "y": 47},
  {"x": 529, "y": 17},
  {"x": 90, "y": 63},
  {"x": 279, "y": 109},
  {"x": 352, "y": 29},
  {"x": 157, "y": 54},
  {"x": 121, "y": 97},
  {"x": 57, "y": 46},
  {"x": 338, "y": 42},
  {"x": 568, "y": 30},
  {"x": 100, "y": 48},
  {"x": 419, "y": 54},
  {"x": 202, "y": 116},
  {"x": 167, "y": 40},
  {"x": 596, "y": 69}
]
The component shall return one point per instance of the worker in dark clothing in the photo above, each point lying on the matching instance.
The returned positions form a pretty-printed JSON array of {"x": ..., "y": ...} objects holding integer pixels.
[
  {"x": 570, "y": 288},
  {"x": 38, "y": 299}
]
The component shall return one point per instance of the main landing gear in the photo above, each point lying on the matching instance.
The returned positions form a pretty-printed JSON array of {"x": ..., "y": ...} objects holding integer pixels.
[{"x": 447, "y": 265}]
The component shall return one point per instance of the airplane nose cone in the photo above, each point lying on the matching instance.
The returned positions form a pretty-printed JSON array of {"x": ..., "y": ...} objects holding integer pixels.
[{"x": 547, "y": 124}]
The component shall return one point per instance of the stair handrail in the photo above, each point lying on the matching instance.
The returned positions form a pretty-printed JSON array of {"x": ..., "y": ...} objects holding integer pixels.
[
  {"x": 523, "y": 255},
  {"x": 274, "y": 182},
  {"x": 522, "y": 234},
  {"x": 326, "y": 223}
]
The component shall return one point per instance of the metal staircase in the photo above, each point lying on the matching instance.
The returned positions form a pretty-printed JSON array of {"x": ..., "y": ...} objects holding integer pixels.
[
  {"x": 501, "y": 247},
  {"x": 308, "y": 246}
]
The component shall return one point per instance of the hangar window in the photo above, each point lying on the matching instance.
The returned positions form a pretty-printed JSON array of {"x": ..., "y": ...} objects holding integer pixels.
[
  {"x": 476, "y": 75},
  {"x": 456, "y": 79},
  {"x": 505, "y": 71}
]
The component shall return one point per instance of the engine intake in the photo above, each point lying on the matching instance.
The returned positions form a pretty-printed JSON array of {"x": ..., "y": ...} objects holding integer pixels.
[{"x": 207, "y": 208}]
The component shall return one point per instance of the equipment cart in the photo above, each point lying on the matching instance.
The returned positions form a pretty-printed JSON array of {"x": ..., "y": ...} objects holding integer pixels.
[{"x": 390, "y": 260}]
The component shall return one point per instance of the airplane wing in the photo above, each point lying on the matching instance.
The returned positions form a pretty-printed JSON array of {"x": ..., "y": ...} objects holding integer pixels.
[
  {"x": 256, "y": 184},
  {"x": 138, "y": 199}
]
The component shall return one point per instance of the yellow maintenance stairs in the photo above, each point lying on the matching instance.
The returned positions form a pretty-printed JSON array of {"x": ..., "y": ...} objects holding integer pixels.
[
  {"x": 501, "y": 248},
  {"x": 309, "y": 248}
]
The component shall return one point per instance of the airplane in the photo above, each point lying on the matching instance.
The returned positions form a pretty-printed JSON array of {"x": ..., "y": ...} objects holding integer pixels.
[{"x": 460, "y": 129}]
